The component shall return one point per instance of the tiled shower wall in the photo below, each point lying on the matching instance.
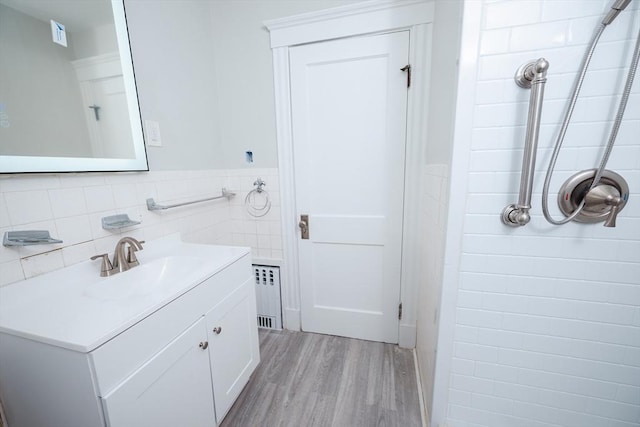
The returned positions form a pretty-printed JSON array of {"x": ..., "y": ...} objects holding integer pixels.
[
  {"x": 435, "y": 182},
  {"x": 547, "y": 318},
  {"x": 71, "y": 206}
]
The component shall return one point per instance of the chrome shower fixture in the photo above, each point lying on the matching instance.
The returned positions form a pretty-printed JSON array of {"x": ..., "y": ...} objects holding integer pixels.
[
  {"x": 617, "y": 7},
  {"x": 602, "y": 202},
  {"x": 589, "y": 196},
  {"x": 611, "y": 207},
  {"x": 532, "y": 75}
]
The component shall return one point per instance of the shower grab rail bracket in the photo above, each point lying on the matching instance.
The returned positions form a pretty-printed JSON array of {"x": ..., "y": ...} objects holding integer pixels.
[
  {"x": 532, "y": 75},
  {"x": 153, "y": 206}
]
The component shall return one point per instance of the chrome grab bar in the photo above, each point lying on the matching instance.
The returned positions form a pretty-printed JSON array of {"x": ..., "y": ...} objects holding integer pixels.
[
  {"x": 530, "y": 75},
  {"x": 153, "y": 206}
]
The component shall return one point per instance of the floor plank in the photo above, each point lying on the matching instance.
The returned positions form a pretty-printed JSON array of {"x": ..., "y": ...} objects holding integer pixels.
[{"x": 318, "y": 380}]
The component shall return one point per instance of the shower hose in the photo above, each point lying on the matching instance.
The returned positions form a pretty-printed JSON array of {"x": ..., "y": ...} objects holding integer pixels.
[{"x": 567, "y": 117}]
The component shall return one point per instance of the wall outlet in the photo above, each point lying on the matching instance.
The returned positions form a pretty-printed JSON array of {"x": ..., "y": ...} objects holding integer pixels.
[{"x": 153, "y": 133}]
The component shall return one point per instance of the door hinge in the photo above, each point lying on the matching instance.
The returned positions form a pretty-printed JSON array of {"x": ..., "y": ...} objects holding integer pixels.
[
  {"x": 400, "y": 311},
  {"x": 407, "y": 68}
]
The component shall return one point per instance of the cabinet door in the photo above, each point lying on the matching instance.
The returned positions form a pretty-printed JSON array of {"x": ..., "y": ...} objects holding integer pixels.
[
  {"x": 233, "y": 338},
  {"x": 172, "y": 389}
]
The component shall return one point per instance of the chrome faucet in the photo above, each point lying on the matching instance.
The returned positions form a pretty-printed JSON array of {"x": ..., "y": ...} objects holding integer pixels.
[{"x": 121, "y": 262}]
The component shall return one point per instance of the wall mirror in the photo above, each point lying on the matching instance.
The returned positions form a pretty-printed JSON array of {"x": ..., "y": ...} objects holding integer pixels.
[{"x": 68, "y": 100}]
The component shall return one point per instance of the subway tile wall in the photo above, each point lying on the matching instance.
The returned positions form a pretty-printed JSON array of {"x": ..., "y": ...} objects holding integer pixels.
[
  {"x": 71, "y": 206},
  {"x": 548, "y": 318},
  {"x": 435, "y": 182}
]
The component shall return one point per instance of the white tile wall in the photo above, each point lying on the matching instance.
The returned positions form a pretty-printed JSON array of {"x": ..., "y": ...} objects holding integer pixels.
[
  {"x": 435, "y": 181},
  {"x": 547, "y": 329},
  {"x": 263, "y": 234},
  {"x": 71, "y": 206}
]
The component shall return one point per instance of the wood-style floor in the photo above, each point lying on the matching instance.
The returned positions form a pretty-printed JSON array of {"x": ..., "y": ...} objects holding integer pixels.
[{"x": 307, "y": 380}]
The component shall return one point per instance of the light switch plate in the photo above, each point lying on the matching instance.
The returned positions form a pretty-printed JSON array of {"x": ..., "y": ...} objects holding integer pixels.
[{"x": 153, "y": 133}]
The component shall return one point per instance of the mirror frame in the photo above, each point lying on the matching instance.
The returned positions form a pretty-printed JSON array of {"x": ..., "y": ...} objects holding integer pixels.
[{"x": 35, "y": 164}]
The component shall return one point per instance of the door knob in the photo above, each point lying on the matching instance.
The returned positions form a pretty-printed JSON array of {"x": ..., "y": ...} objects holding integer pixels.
[
  {"x": 203, "y": 345},
  {"x": 304, "y": 226},
  {"x": 217, "y": 330}
]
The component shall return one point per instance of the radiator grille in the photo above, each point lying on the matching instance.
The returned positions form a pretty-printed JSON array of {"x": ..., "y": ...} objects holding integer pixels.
[
  {"x": 266, "y": 322},
  {"x": 268, "y": 301}
]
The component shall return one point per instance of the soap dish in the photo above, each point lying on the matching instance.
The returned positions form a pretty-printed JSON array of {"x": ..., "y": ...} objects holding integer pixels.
[
  {"x": 115, "y": 222},
  {"x": 28, "y": 237}
]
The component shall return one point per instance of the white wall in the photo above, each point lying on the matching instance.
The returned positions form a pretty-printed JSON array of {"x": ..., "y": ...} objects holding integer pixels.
[
  {"x": 71, "y": 206},
  {"x": 435, "y": 184},
  {"x": 540, "y": 325},
  {"x": 171, "y": 44},
  {"x": 204, "y": 72},
  {"x": 99, "y": 40},
  {"x": 264, "y": 233},
  {"x": 245, "y": 98},
  {"x": 433, "y": 219},
  {"x": 442, "y": 92}
]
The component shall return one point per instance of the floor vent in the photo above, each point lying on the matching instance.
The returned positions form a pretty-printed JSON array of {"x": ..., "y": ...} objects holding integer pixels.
[
  {"x": 266, "y": 322},
  {"x": 268, "y": 296}
]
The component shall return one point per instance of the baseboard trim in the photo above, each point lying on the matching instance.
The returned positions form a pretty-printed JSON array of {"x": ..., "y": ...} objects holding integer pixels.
[
  {"x": 291, "y": 319},
  {"x": 407, "y": 335},
  {"x": 423, "y": 408}
]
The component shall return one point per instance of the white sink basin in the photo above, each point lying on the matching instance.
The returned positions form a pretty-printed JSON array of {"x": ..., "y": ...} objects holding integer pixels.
[
  {"x": 77, "y": 309},
  {"x": 160, "y": 275}
]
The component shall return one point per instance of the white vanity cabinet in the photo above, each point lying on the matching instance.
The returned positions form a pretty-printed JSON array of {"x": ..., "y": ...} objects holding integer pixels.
[
  {"x": 233, "y": 355},
  {"x": 174, "y": 387},
  {"x": 182, "y": 363},
  {"x": 168, "y": 389}
]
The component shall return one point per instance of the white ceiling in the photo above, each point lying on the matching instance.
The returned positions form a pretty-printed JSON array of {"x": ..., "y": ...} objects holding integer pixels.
[{"x": 75, "y": 15}]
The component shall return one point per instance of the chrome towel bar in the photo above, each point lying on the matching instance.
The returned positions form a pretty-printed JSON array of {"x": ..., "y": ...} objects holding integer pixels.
[
  {"x": 153, "y": 206},
  {"x": 530, "y": 75}
]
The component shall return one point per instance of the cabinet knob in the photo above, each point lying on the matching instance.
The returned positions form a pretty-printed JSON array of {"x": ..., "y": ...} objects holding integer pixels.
[
  {"x": 204, "y": 344},
  {"x": 217, "y": 330}
]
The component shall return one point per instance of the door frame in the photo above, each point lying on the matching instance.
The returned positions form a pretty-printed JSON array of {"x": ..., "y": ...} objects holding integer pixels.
[{"x": 372, "y": 17}]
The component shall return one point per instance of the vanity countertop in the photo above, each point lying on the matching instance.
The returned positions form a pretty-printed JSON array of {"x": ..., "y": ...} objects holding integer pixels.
[{"x": 77, "y": 309}]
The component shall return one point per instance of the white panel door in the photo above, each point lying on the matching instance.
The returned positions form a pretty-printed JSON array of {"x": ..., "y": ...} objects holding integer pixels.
[
  {"x": 349, "y": 100},
  {"x": 108, "y": 117}
]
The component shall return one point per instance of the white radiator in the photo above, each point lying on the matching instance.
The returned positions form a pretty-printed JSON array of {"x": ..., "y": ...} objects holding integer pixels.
[{"x": 268, "y": 296}]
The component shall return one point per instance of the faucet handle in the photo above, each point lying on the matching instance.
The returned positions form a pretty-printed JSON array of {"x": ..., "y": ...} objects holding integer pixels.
[
  {"x": 611, "y": 218},
  {"x": 131, "y": 254},
  {"x": 106, "y": 264},
  {"x": 605, "y": 197},
  {"x": 131, "y": 257},
  {"x": 615, "y": 202}
]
